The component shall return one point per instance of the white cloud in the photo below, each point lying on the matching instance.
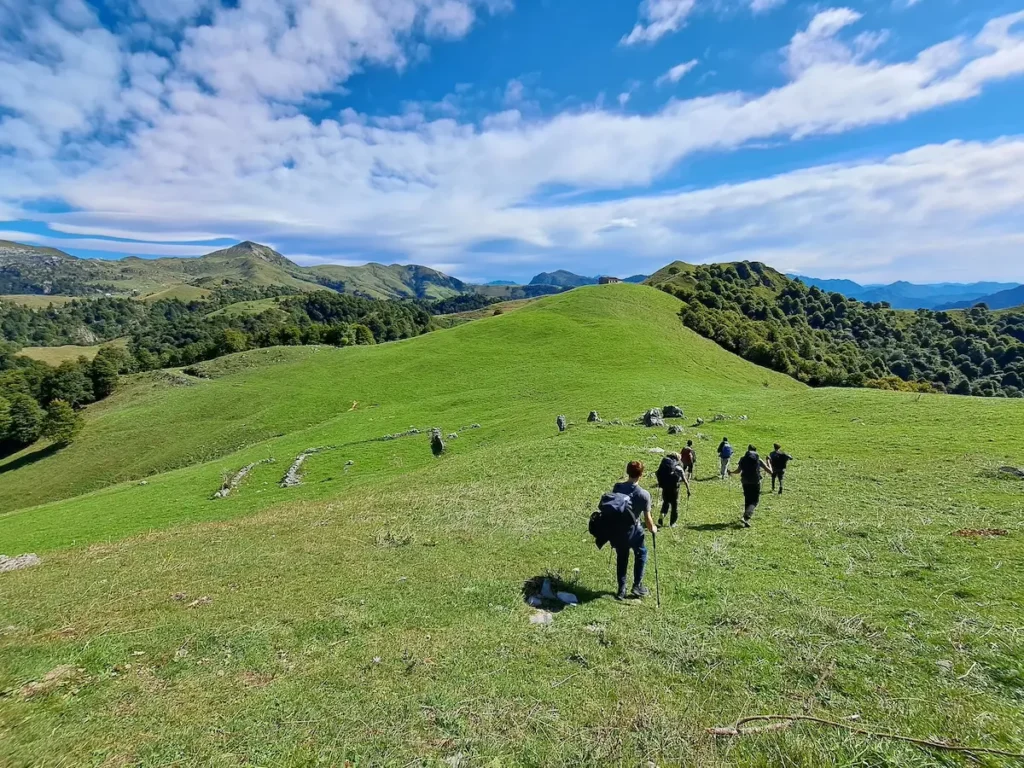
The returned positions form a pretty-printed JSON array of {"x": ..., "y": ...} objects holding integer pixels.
[
  {"x": 676, "y": 73},
  {"x": 762, "y": 6},
  {"x": 660, "y": 18},
  {"x": 216, "y": 144},
  {"x": 817, "y": 44},
  {"x": 108, "y": 246}
]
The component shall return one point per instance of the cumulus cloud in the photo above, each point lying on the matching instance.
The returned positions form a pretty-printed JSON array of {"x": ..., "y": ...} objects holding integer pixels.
[
  {"x": 659, "y": 18},
  {"x": 212, "y": 140},
  {"x": 676, "y": 73}
]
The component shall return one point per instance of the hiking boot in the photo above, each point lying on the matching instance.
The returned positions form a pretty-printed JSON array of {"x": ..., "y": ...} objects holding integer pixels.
[
  {"x": 640, "y": 591},
  {"x": 744, "y": 522},
  {"x": 621, "y": 595}
]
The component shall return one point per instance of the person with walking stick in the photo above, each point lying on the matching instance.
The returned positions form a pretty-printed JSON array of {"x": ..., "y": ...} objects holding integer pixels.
[{"x": 632, "y": 539}]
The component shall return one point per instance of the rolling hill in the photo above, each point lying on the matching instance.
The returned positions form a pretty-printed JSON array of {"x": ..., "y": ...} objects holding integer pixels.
[
  {"x": 562, "y": 279},
  {"x": 30, "y": 270},
  {"x": 375, "y": 614}
]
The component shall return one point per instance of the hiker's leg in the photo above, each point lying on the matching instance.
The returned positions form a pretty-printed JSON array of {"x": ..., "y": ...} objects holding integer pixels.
[
  {"x": 782, "y": 476},
  {"x": 751, "y": 498},
  {"x": 666, "y": 503},
  {"x": 639, "y": 561},
  {"x": 675, "y": 508},
  {"x": 622, "y": 565}
]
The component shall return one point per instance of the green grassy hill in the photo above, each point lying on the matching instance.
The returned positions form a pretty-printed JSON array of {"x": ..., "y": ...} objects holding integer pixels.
[{"x": 375, "y": 614}]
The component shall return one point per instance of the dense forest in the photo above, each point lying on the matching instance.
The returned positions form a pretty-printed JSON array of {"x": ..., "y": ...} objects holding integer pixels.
[
  {"x": 38, "y": 400},
  {"x": 825, "y": 339}
]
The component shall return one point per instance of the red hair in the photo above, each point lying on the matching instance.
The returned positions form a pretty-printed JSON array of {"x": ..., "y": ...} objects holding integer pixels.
[{"x": 635, "y": 470}]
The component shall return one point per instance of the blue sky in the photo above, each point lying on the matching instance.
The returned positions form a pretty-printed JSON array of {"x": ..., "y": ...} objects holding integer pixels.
[{"x": 875, "y": 140}]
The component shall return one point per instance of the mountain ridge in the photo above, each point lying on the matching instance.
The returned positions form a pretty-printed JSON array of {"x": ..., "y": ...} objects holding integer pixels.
[
  {"x": 906, "y": 295},
  {"x": 28, "y": 269}
]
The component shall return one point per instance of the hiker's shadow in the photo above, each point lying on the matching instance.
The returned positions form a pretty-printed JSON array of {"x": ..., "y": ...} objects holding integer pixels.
[
  {"x": 711, "y": 527},
  {"x": 533, "y": 590},
  {"x": 708, "y": 479}
]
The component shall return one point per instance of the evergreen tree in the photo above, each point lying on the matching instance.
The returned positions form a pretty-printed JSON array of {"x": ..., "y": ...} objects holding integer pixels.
[
  {"x": 27, "y": 418},
  {"x": 62, "y": 423}
]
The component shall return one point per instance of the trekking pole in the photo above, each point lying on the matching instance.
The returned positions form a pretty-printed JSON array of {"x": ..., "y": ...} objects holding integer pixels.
[{"x": 657, "y": 581}]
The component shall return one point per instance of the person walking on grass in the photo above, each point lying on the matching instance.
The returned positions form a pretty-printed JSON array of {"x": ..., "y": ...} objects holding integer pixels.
[
  {"x": 725, "y": 454},
  {"x": 670, "y": 474},
  {"x": 632, "y": 539},
  {"x": 688, "y": 458},
  {"x": 779, "y": 460},
  {"x": 749, "y": 469}
]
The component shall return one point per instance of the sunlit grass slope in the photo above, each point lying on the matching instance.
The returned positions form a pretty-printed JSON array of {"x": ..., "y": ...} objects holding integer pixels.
[
  {"x": 375, "y": 614},
  {"x": 612, "y": 345}
]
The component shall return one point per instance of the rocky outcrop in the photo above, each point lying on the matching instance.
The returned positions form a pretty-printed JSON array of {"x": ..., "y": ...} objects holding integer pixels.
[{"x": 293, "y": 476}]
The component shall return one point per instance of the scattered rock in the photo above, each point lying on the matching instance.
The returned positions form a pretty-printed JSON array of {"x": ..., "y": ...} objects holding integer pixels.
[
  {"x": 945, "y": 666},
  {"x": 568, "y": 598},
  {"x": 561, "y": 423},
  {"x": 719, "y": 417},
  {"x": 349, "y": 463},
  {"x": 18, "y": 563},
  {"x": 700, "y": 422},
  {"x": 743, "y": 418},
  {"x": 672, "y": 412},
  {"x": 652, "y": 418},
  {"x": 1013, "y": 471},
  {"x": 179, "y": 597},
  {"x": 55, "y": 679},
  {"x": 143, "y": 482},
  {"x": 655, "y": 450},
  {"x": 701, "y": 436},
  {"x": 541, "y": 617},
  {"x": 293, "y": 476},
  {"x": 236, "y": 480},
  {"x": 200, "y": 602},
  {"x": 453, "y": 436},
  {"x": 474, "y": 426},
  {"x": 593, "y": 418},
  {"x": 980, "y": 532},
  {"x": 675, "y": 429},
  {"x": 436, "y": 443}
]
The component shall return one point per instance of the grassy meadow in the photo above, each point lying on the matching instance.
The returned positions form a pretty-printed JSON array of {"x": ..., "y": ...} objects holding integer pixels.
[
  {"x": 35, "y": 301},
  {"x": 375, "y": 614}
]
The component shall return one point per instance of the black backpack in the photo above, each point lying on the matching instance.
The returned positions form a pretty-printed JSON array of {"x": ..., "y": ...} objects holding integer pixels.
[
  {"x": 613, "y": 518},
  {"x": 668, "y": 474}
]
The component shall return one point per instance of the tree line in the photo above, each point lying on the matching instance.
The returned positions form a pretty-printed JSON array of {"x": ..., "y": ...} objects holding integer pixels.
[
  {"x": 827, "y": 339},
  {"x": 38, "y": 400}
]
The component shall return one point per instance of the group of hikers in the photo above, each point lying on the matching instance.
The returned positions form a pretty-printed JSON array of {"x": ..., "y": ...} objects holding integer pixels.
[{"x": 626, "y": 513}]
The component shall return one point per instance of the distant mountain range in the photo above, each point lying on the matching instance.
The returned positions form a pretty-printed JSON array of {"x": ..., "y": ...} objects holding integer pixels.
[
  {"x": 26, "y": 269},
  {"x": 1012, "y": 297},
  {"x": 903, "y": 295},
  {"x": 565, "y": 279}
]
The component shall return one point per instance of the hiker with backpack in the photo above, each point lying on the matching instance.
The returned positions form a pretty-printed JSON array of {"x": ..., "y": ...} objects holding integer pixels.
[
  {"x": 618, "y": 522},
  {"x": 725, "y": 454},
  {"x": 670, "y": 474},
  {"x": 688, "y": 458},
  {"x": 749, "y": 469},
  {"x": 779, "y": 460}
]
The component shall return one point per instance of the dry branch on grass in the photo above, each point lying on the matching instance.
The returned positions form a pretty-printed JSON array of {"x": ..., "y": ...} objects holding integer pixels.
[{"x": 781, "y": 722}]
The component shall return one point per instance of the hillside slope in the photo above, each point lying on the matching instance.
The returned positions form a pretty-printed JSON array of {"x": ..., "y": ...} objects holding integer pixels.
[
  {"x": 546, "y": 354},
  {"x": 376, "y": 615}
]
